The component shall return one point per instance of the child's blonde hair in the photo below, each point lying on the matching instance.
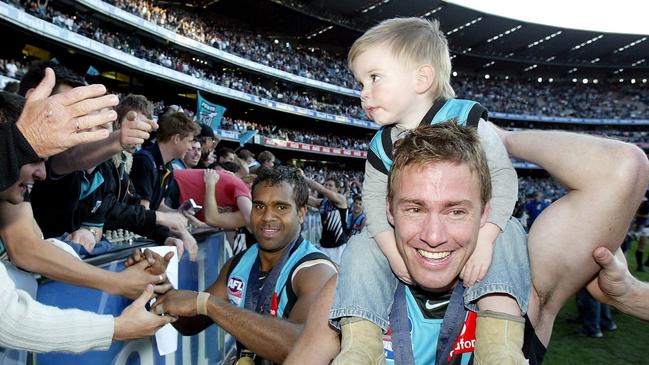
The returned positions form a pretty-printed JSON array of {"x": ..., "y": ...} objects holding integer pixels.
[{"x": 413, "y": 40}]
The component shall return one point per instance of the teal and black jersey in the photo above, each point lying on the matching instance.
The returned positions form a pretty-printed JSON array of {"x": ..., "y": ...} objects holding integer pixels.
[
  {"x": 463, "y": 112},
  {"x": 425, "y": 316},
  {"x": 284, "y": 298}
]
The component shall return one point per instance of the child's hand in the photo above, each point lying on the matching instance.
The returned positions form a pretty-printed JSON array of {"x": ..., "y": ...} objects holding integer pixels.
[
  {"x": 476, "y": 267},
  {"x": 399, "y": 269}
]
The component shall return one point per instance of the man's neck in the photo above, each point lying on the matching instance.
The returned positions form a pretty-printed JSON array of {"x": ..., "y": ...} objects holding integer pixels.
[
  {"x": 268, "y": 259},
  {"x": 438, "y": 291},
  {"x": 166, "y": 151}
]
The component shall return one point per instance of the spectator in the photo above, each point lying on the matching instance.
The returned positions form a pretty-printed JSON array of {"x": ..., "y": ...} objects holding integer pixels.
[
  {"x": 356, "y": 218},
  {"x": 333, "y": 215},
  {"x": 152, "y": 171},
  {"x": 225, "y": 154},
  {"x": 266, "y": 159}
]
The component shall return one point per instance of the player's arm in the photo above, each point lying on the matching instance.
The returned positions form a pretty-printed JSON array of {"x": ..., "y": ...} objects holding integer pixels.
[
  {"x": 267, "y": 336},
  {"x": 606, "y": 180}
]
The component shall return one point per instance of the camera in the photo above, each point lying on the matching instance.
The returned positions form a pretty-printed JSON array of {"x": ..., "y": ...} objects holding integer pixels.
[{"x": 190, "y": 204}]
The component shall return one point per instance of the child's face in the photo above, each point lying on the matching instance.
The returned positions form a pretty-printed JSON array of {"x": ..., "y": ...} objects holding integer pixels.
[{"x": 388, "y": 93}]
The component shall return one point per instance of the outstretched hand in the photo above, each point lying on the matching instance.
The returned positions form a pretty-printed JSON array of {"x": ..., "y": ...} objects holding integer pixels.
[
  {"x": 136, "y": 322},
  {"x": 135, "y": 130},
  {"x": 52, "y": 124},
  {"x": 156, "y": 264}
]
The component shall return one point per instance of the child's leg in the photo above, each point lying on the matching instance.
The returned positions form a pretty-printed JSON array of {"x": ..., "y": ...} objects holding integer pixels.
[
  {"x": 502, "y": 298},
  {"x": 366, "y": 284},
  {"x": 364, "y": 295}
]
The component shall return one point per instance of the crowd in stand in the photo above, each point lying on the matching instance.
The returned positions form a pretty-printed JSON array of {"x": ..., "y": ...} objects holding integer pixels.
[
  {"x": 320, "y": 13},
  {"x": 308, "y": 62},
  {"x": 602, "y": 100},
  {"x": 13, "y": 68},
  {"x": 171, "y": 58},
  {"x": 513, "y": 96},
  {"x": 301, "y": 135}
]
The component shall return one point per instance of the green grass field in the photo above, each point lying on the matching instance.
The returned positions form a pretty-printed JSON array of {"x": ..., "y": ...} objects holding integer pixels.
[{"x": 629, "y": 344}]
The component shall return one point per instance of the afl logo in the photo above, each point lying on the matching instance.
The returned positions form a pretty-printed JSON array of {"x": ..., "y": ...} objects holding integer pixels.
[{"x": 235, "y": 287}]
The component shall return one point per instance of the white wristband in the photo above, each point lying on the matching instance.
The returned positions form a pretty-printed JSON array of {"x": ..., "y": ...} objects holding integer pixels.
[{"x": 201, "y": 303}]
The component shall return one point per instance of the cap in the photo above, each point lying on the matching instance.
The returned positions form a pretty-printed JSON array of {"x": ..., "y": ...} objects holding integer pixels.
[{"x": 206, "y": 131}]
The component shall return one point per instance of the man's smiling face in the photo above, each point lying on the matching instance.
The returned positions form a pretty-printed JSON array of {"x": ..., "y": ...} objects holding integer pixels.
[{"x": 436, "y": 211}]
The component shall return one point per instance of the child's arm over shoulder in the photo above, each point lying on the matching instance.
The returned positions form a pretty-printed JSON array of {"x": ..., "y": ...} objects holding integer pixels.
[
  {"x": 504, "y": 194},
  {"x": 375, "y": 192},
  {"x": 504, "y": 181}
]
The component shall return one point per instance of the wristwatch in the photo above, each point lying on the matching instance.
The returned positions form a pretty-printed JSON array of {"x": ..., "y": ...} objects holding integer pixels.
[{"x": 94, "y": 232}]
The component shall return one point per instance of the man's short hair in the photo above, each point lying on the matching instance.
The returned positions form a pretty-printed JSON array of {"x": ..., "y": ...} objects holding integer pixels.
[
  {"x": 336, "y": 181},
  {"x": 224, "y": 151},
  {"x": 357, "y": 198},
  {"x": 12, "y": 87},
  {"x": 36, "y": 73},
  {"x": 136, "y": 103},
  {"x": 11, "y": 105},
  {"x": 287, "y": 174},
  {"x": 444, "y": 142},
  {"x": 415, "y": 41},
  {"x": 245, "y": 154},
  {"x": 176, "y": 123},
  {"x": 233, "y": 166},
  {"x": 265, "y": 156}
]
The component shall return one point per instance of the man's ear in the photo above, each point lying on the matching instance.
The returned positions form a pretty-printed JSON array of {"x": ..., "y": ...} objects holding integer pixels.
[
  {"x": 425, "y": 77},
  {"x": 485, "y": 214},
  {"x": 29, "y": 92},
  {"x": 176, "y": 138},
  {"x": 301, "y": 213},
  {"x": 389, "y": 212}
]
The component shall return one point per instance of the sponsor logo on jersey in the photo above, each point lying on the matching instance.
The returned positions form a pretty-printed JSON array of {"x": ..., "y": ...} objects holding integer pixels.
[
  {"x": 466, "y": 340},
  {"x": 235, "y": 290},
  {"x": 432, "y": 305}
]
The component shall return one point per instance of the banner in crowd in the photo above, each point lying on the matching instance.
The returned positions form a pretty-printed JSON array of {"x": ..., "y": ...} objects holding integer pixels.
[
  {"x": 208, "y": 112},
  {"x": 245, "y": 137}
]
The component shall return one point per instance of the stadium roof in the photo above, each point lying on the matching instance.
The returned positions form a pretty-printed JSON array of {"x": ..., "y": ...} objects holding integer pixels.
[{"x": 480, "y": 42}]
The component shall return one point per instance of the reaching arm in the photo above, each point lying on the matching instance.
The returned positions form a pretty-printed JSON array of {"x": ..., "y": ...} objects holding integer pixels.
[
  {"x": 338, "y": 199},
  {"x": 314, "y": 202},
  {"x": 616, "y": 286},
  {"x": 82, "y": 157},
  {"x": 52, "y": 124},
  {"x": 29, "y": 325},
  {"x": 225, "y": 220},
  {"x": 31, "y": 253}
]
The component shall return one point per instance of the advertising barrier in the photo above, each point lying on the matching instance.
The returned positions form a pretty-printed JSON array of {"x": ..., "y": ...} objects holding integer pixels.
[{"x": 212, "y": 346}]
